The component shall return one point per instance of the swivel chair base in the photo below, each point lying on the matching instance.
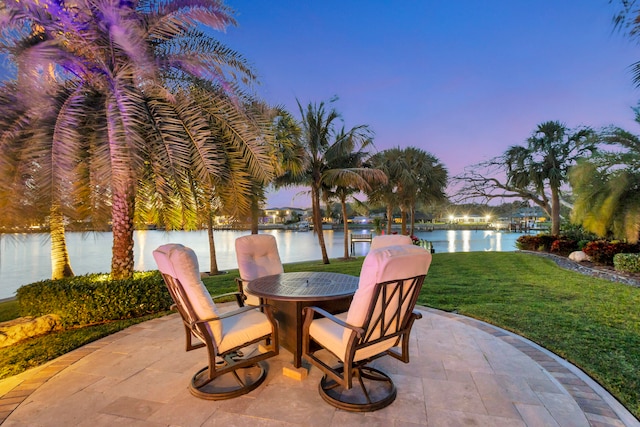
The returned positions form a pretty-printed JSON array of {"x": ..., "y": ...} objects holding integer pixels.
[
  {"x": 371, "y": 390},
  {"x": 229, "y": 385}
]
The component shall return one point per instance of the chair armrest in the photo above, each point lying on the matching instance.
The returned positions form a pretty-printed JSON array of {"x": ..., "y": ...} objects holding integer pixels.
[
  {"x": 232, "y": 313},
  {"x": 308, "y": 313},
  {"x": 228, "y": 294},
  {"x": 239, "y": 297}
]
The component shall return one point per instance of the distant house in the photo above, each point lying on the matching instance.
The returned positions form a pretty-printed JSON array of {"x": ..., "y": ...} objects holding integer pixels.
[
  {"x": 284, "y": 215},
  {"x": 468, "y": 219}
]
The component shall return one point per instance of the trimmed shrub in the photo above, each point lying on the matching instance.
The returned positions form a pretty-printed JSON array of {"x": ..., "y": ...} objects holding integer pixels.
[
  {"x": 564, "y": 246},
  {"x": 528, "y": 243},
  {"x": 94, "y": 298},
  {"x": 602, "y": 251},
  {"x": 628, "y": 263}
]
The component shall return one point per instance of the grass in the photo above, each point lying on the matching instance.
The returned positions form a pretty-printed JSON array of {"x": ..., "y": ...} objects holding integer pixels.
[
  {"x": 593, "y": 323},
  {"x": 9, "y": 310},
  {"x": 39, "y": 350}
]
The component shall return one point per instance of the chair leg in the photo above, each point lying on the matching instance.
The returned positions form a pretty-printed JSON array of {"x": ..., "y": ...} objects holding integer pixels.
[{"x": 372, "y": 390}]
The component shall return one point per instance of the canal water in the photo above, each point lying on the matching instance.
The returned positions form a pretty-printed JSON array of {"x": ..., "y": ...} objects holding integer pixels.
[{"x": 25, "y": 258}]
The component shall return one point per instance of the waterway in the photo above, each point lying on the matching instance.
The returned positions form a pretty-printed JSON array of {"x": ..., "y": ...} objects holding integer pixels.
[{"x": 26, "y": 258}]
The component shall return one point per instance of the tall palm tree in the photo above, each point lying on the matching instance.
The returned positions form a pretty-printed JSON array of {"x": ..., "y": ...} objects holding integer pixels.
[
  {"x": 606, "y": 188},
  {"x": 286, "y": 153},
  {"x": 318, "y": 140},
  {"x": 392, "y": 163},
  {"x": 36, "y": 186},
  {"x": 414, "y": 176},
  {"x": 542, "y": 165},
  {"x": 429, "y": 181},
  {"x": 348, "y": 173},
  {"x": 144, "y": 84}
]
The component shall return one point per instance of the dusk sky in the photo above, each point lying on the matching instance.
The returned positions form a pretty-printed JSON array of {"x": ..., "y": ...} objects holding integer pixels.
[{"x": 463, "y": 80}]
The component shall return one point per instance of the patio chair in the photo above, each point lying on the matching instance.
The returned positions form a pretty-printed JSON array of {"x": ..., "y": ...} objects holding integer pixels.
[
  {"x": 257, "y": 256},
  {"x": 235, "y": 364},
  {"x": 379, "y": 318},
  {"x": 389, "y": 240}
]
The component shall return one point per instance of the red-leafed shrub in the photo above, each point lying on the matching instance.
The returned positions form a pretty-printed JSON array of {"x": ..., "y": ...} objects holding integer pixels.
[
  {"x": 602, "y": 251},
  {"x": 564, "y": 246}
]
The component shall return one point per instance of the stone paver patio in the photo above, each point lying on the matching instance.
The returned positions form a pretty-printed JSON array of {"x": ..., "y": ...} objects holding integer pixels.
[{"x": 462, "y": 372}]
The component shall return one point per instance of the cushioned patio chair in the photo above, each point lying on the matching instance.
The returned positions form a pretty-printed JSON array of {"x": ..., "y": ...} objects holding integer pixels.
[
  {"x": 235, "y": 359},
  {"x": 389, "y": 240},
  {"x": 257, "y": 256},
  {"x": 378, "y": 323}
]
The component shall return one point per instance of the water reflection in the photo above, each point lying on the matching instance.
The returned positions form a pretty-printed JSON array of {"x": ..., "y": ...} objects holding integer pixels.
[{"x": 26, "y": 258}]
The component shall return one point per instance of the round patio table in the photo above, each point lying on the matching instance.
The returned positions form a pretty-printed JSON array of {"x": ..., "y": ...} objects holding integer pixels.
[{"x": 289, "y": 293}]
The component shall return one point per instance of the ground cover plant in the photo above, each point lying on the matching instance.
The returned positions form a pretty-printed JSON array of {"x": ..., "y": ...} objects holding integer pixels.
[{"x": 593, "y": 323}]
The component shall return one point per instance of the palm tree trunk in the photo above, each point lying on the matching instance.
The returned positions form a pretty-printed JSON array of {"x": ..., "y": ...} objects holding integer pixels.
[
  {"x": 343, "y": 203},
  {"x": 403, "y": 216},
  {"x": 60, "y": 263},
  {"x": 317, "y": 222},
  {"x": 389, "y": 217},
  {"x": 412, "y": 212},
  {"x": 213, "y": 263},
  {"x": 254, "y": 215},
  {"x": 122, "y": 211},
  {"x": 555, "y": 211}
]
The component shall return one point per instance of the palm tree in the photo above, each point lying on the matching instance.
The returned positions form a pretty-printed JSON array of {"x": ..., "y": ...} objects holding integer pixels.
[
  {"x": 287, "y": 156},
  {"x": 36, "y": 186},
  {"x": 349, "y": 173},
  {"x": 607, "y": 188},
  {"x": 391, "y": 162},
  {"x": 627, "y": 20},
  {"x": 542, "y": 166},
  {"x": 429, "y": 181},
  {"x": 413, "y": 176},
  {"x": 319, "y": 142},
  {"x": 148, "y": 96}
]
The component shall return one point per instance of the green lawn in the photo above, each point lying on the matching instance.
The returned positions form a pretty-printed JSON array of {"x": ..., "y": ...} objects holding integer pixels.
[{"x": 593, "y": 323}]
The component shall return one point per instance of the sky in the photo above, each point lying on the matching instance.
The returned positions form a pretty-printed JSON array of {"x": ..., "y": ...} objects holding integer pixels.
[{"x": 463, "y": 80}]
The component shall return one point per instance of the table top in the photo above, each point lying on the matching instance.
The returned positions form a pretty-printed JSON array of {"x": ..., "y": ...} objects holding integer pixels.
[{"x": 304, "y": 286}]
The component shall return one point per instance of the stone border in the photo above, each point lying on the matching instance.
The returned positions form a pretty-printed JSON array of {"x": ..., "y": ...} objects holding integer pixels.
[
  {"x": 567, "y": 264},
  {"x": 34, "y": 378},
  {"x": 598, "y": 405}
]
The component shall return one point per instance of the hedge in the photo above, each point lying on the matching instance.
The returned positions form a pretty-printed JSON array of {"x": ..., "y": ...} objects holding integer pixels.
[
  {"x": 94, "y": 298},
  {"x": 629, "y": 263}
]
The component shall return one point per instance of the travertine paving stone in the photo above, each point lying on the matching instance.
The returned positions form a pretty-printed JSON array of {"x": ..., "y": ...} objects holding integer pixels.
[{"x": 462, "y": 372}]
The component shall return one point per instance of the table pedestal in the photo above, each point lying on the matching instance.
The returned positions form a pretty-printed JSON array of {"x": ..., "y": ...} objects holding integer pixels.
[{"x": 290, "y": 319}]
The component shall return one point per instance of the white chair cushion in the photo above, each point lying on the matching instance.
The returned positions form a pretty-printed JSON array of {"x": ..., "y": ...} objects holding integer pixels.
[
  {"x": 330, "y": 335},
  {"x": 243, "y": 328},
  {"x": 257, "y": 256},
  {"x": 180, "y": 262},
  {"x": 382, "y": 265},
  {"x": 389, "y": 240}
]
